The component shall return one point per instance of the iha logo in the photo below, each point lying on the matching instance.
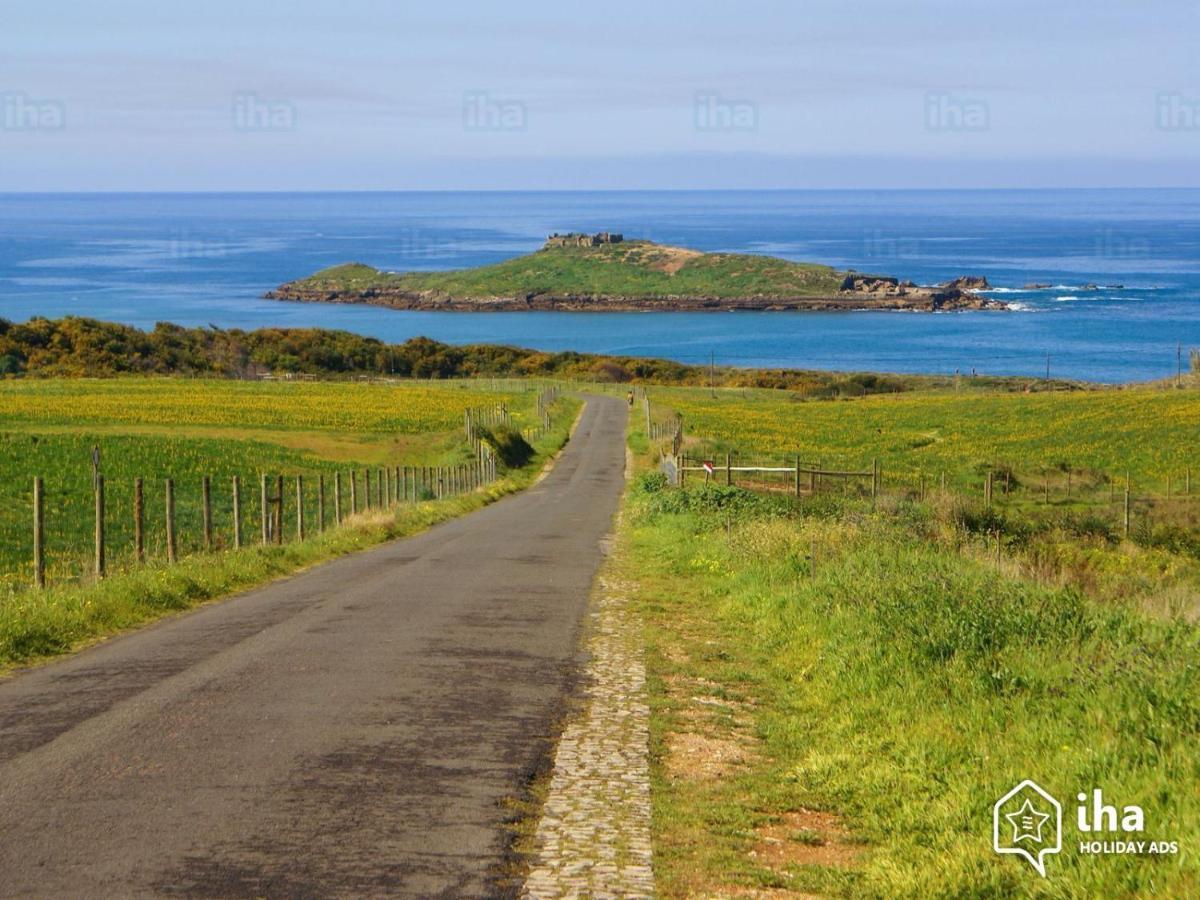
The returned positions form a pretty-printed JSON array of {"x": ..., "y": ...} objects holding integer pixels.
[{"x": 1027, "y": 821}]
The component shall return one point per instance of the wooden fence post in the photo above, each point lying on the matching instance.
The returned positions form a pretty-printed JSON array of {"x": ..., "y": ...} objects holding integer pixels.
[
  {"x": 1126, "y": 530},
  {"x": 366, "y": 489},
  {"x": 353, "y": 492},
  {"x": 139, "y": 522},
  {"x": 172, "y": 547},
  {"x": 99, "y": 492},
  {"x": 206, "y": 505},
  {"x": 299, "y": 507},
  {"x": 279, "y": 509},
  {"x": 320, "y": 503},
  {"x": 39, "y": 533},
  {"x": 987, "y": 489},
  {"x": 379, "y": 487},
  {"x": 874, "y": 477},
  {"x": 237, "y": 513},
  {"x": 266, "y": 513},
  {"x": 337, "y": 498},
  {"x": 796, "y": 486}
]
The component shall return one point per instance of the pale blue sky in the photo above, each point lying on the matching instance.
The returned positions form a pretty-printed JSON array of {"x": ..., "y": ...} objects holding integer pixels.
[{"x": 372, "y": 95}]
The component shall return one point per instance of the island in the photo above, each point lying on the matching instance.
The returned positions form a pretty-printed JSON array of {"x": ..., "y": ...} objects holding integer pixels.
[{"x": 606, "y": 273}]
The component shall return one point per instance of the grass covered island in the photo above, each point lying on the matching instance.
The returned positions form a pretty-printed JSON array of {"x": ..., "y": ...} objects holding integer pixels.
[{"x": 605, "y": 273}]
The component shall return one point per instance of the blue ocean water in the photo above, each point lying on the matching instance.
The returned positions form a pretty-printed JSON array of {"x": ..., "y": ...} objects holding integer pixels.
[{"x": 200, "y": 259}]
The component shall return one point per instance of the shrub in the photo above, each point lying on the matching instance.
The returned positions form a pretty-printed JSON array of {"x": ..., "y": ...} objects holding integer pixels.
[{"x": 508, "y": 444}]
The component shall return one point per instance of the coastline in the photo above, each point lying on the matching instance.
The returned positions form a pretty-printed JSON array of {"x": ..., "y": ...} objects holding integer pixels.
[{"x": 921, "y": 300}]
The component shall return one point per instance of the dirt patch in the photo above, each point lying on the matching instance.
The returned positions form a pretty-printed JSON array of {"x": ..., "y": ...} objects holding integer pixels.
[
  {"x": 698, "y": 757},
  {"x": 672, "y": 259},
  {"x": 805, "y": 837}
]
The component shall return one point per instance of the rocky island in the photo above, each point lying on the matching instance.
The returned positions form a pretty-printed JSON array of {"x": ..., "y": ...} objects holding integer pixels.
[{"x": 606, "y": 273}]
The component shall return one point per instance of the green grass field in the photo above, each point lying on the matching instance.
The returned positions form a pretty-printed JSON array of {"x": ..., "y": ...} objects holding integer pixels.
[
  {"x": 838, "y": 700},
  {"x": 841, "y": 689},
  {"x": 156, "y": 429},
  {"x": 1143, "y": 431}
]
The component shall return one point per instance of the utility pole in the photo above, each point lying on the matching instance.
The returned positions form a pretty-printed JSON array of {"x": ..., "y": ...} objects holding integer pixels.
[
  {"x": 712, "y": 374},
  {"x": 1047, "y": 366}
]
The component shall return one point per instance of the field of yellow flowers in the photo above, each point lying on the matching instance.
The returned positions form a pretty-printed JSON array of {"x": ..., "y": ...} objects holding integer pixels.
[
  {"x": 1146, "y": 432},
  {"x": 369, "y": 407},
  {"x": 156, "y": 429}
]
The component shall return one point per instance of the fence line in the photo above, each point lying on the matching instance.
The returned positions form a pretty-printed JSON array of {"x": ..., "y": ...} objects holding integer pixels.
[
  {"x": 390, "y": 486},
  {"x": 382, "y": 488},
  {"x": 994, "y": 485}
]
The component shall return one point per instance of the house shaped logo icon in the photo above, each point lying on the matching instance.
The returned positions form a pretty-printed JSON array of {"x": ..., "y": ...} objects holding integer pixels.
[{"x": 1027, "y": 821}]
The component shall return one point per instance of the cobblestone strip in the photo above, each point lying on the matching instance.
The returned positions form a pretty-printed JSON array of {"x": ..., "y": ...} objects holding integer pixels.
[{"x": 594, "y": 836}]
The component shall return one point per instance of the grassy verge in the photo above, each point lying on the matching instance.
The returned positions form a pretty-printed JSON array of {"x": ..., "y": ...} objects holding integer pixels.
[
  {"x": 837, "y": 705},
  {"x": 36, "y": 624}
]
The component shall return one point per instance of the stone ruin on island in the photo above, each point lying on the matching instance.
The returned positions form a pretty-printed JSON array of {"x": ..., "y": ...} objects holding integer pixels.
[{"x": 577, "y": 239}]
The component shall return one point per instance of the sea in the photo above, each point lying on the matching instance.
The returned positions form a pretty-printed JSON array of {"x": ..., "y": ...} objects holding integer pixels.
[{"x": 1104, "y": 284}]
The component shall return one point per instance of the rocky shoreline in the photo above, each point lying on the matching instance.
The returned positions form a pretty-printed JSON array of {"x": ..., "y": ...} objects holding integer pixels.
[{"x": 857, "y": 293}]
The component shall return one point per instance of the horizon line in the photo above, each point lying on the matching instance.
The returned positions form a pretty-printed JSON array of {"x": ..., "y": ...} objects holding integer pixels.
[{"x": 665, "y": 190}]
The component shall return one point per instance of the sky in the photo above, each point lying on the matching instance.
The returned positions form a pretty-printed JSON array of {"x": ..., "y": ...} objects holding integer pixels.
[{"x": 151, "y": 95}]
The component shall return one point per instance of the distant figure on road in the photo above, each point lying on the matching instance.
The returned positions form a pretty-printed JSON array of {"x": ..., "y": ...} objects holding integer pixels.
[{"x": 631, "y": 398}]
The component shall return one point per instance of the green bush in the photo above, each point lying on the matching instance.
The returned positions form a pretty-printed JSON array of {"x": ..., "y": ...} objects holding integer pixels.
[{"x": 509, "y": 445}]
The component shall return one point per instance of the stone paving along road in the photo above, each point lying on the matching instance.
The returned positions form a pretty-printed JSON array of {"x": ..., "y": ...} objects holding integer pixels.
[{"x": 350, "y": 731}]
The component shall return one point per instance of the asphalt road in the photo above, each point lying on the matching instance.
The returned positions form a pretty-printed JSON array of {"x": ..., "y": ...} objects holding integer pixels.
[{"x": 351, "y": 731}]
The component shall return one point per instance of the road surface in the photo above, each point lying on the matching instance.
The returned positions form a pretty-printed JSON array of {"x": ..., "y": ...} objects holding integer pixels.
[{"x": 351, "y": 731}]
